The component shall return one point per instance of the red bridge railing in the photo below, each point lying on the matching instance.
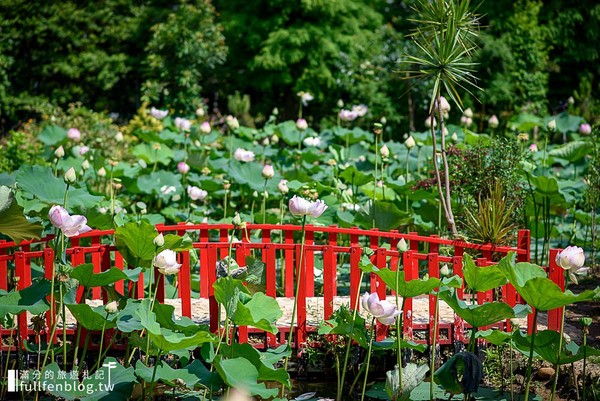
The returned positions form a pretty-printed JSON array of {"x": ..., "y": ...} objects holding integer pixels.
[{"x": 279, "y": 248}]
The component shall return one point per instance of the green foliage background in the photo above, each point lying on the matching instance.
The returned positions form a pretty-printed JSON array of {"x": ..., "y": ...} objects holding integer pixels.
[{"x": 114, "y": 55}]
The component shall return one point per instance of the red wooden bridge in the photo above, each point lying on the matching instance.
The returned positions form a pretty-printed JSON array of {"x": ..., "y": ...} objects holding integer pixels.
[{"x": 279, "y": 248}]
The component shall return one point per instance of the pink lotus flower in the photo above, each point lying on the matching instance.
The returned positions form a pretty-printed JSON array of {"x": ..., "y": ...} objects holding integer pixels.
[
  {"x": 383, "y": 310},
  {"x": 302, "y": 207},
  {"x": 360, "y": 110},
  {"x": 348, "y": 115},
  {"x": 158, "y": 114},
  {"x": 301, "y": 124},
  {"x": 196, "y": 193},
  {"x": 83, "y": 150},
  {"x": 533, "y": 147},
  {"x": 268, "y": 171},
  {"x": 571, "y": 259},
  {"x": 183, "y": 167},
  {"x": 166, "y": 262},
  {"x": 74, "y": 134},
  {"x": 183, "y": 123},
  {"x": 493, "y": 122},
  {"x": 282, "y": 187},
  {"x": 243, "y": 155},
  {"x": 205, "y": 127},
  {"x": 585, "y": 129},
  {"x": 69, "y": 225}
]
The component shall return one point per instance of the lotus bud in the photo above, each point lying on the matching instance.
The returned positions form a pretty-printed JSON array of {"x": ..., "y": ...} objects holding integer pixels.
[
  {"x": 237, "y": 220},
  {"x": 274, "y": 139},
  {"x": 200, "y": 111},
  {"x": 430, "y": 121},
  {"x": 468, "y": 113},
  {"x": 102, "y": 172},
  {"x": 384, "y": 151},
  {"x": 340, "y": 103},
  {"x": 159, "y": 240},
  {"x": 454, "y": 137},
  {"x": 585, "y": 129},
  {"x": 301, "y": 124},
  {"x": 255, "y": 194},
  {"x": 493, "y": 122},
  {"x": 111, "y": 307},
  {"x": 445, "y": 270},
  {"x": 70, "y": 176},
  {"x": 205, "y": 127},
  {"x": 383, "y": 120},
  {"x": 60, "y": 151},
  {"x": 533, "y": 147},
  {"x": 85, "y": 165},
  {"x": 268, "y": 171},
  {"x": 552, "y": 125},
  {"x": 232, "y": 122},
  {"x": 74, "y": 134},
  {"x": 119, "y": 137},
  {"x": 183, "y": 167},
  {"x": 282, "y": 186},
  {"x": 402, "y": 245},
  {"x": 410, "y": 143},
  {"x": 275, "y": 111},
  {"x": 166, "y": 262},
  {"x": 265, "y": 142},
  {"x": 571, "y": 100}
]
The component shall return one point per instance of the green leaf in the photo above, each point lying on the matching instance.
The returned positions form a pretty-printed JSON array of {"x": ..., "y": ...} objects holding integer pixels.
[
  {"x": 151, "y": 155},
  {"x": 92, "y": 319},
  {"x": 479, "y": 315},
  {"x": 386, "y": 215},
  {"x": 248, "y": 173},
  {"x": 127, "y": 319},
  {"x": 240, "y": 373},
  {"x": 546, "y": 347},
  {"x": 52, "y": 134},
  {"x": 227, "y": 290},
  {"x": 494, "y": 336},
  {"x": 12, "y": 221},
  {"x": 412, "y": 376},
  {"x": 538, "y": 291},
  {"x": 31, "y": 299},
  {"x": 153, "y": 182},
  {"x": 406, "y": 289},
  {"x": 191, "y": 374},
  {"x": 260, "y": 311},
  {"x": 482, "y": 278},
  {"x": 41, "y": 183},
  {"x": 354, "y": 177},
  {"x": 571, "y": 151},
  {"x": 177, "y": 243},
  {"x": 87, "y": 278},
  {"x": 344, "y": 322},
  {"x": 261, "y": 361},
  {"x": 135, "y": 242}
]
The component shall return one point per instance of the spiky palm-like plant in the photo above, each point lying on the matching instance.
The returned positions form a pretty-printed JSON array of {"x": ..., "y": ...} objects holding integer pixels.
[{"x": 445, "y": 34}]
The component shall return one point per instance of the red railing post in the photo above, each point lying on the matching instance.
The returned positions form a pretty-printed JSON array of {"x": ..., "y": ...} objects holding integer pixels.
[
  {"x": 3, "y": 267},
  {"x": 24, "y": 281},
  {"x": 301, "y": 331},
  {"x": 332, "y": 241},
  {"x": 309, "y": 255},
  {"x": 185, "y": 280},
  {"x": 355, "y": 273},
  {"x": 289, "y": 263},
  {"x": 410, "y": 273},
  {"x": 203, "y": 251},
  {"x": 213, "y": 306},
  {"x": 96, "y": 261},
  {"x": 271, "y": 284},
  {"x": 328, "y": 280},
  {"x": 557, "y": 275},
  {"x": 433, "y": 268},
  {"x": 380, "y": 287},
  {"x": 48, "y": 273}
]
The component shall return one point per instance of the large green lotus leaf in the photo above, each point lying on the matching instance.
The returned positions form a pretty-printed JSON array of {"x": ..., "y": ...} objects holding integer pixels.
[
  {"x": 150, "y": 155},
  {"x": 177, "y": 243},
  {"x": 546, "y": 186},
  {"x": 518, "y": 274},
  {"x": 482, "y": 278},
  {"x": 93, "y": 388},
  {"x": 31, "y": 299},
  {"x": 240, "y": 373},
  {"x": 127, "y": 319},
  {"x": 260, "y": 311},
  {"x": 165, "y": 318},
  {"x": 384, "y": 193},
  {"x": 525, "y": 122},
  {"x": 543, "y": 294},
  {"x": 546, "y": 347},
  {"x": 227, "y": 292},
  {"x": 191, "y": 374},
  {"x": 247, "y": 173},
  {"x": 289, "y": 133},
  {"x": 40, "y": 182},
  {"x": 52, "y": 134},
  {"x": 567, "y": 123},
  {"x": 169, "y": 340},
  {"x": 153, "y": 182},
  {"x": 571, "y": 151},
  {"x": 354, "y": 135},
  {"x": 87, "y": 278},
  {"x": 135, "y": 242},
  {"x": 494, "y": 336},
  {"x": 481, "y": 315},
  {"x": 386, "y": 216},
  {"x": 92, "y": 319},
  {"x": 266, "y": 370},
  {"x": 352, "y": 176},
  {"x": 12, "y": 221}
]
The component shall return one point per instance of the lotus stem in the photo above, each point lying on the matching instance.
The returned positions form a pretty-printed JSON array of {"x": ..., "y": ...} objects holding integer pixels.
[
  {"x": 375, "y": 179},
  {"x": 299, "y": 271},
  {"x": 102, "y": 340},
  {"x": 406, "y": 179},
  {"x": 372, "y": 334},
  {"x": 557, "y": 365},
  {"x": 434, "y": 344},
  {"x": 349, "y": 340},
  {"x": 530, "y": 360},
  {"x": 585, "y": 332}
]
